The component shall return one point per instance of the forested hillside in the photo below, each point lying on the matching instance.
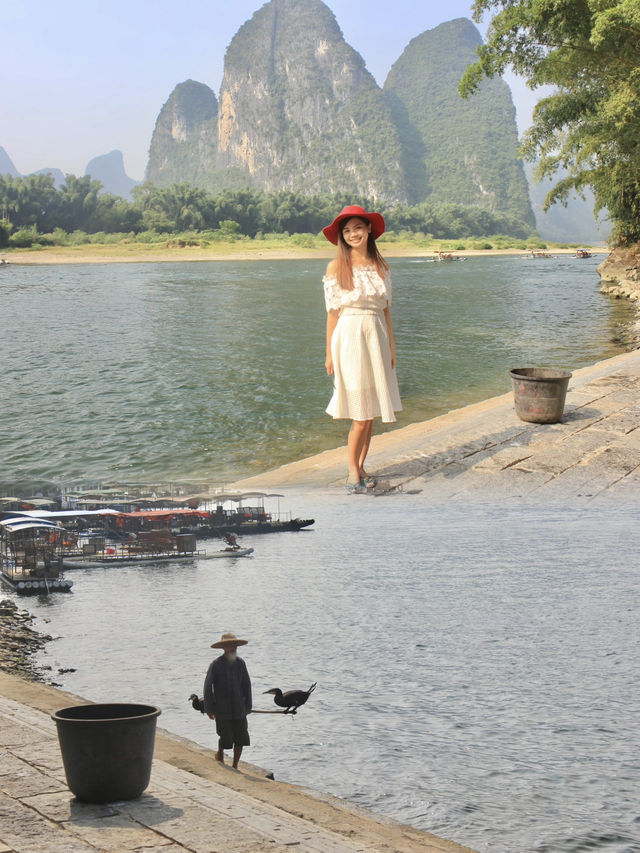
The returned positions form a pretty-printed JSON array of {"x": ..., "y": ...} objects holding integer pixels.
[
  {"x": 300, "y": 129},
  {"x": 6, "y": 164},
  {"x": 457, "y": 151},
  {"x": 299, "y": 111},
  {"x": 184, "y": 142}
]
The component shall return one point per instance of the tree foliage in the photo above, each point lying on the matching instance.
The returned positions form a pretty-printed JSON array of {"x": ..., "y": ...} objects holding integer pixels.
[
  {"x": 588, "y": 51},
  {"x": 33, "y": 206},
  {"x": 28, "y": 202}
]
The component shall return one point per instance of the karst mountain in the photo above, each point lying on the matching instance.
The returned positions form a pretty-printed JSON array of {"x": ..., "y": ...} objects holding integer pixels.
[{"x": 298, "y": 110}]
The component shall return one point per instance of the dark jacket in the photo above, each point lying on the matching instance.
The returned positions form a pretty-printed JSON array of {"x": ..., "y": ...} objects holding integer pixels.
[{"x": 227, "y": 689}]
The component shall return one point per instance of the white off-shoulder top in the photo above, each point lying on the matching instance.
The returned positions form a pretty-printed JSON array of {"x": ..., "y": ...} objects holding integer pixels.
[{"x": 370, "y": 291}]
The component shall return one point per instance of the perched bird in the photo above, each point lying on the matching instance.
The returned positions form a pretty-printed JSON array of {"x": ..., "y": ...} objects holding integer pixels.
[
  {"x": 292, "y": 699},
  {"x": 196, "y": 703}
]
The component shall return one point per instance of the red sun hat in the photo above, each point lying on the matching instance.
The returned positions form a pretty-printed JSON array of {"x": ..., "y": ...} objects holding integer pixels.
[{"x": 376, "y": 220}]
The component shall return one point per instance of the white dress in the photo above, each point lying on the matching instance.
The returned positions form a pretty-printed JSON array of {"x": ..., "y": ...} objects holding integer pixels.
[{"x": 365, "y": 384}]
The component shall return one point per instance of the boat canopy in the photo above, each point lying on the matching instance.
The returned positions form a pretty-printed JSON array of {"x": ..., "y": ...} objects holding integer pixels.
[
  {"x": 13, "y": 525},
  {"x": 67, "y": 513}
]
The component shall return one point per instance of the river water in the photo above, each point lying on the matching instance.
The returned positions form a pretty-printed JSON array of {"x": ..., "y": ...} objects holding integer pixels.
[
  {"x": 207, "y": 371},
  {"x": 477, "y": 666}
]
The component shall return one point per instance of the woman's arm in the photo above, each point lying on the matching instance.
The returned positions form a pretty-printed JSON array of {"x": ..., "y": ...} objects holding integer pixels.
[
  {"x": 332, "y": 318},
  {"x": 332, "y": 322},
  {"x": 392, "y": 345}
]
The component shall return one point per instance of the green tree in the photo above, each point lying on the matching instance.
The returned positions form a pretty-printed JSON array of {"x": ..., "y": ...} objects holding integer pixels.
[
  {"x": 179, "y": 207},
  {"x": 113, "y": 214},
  {"x": 28, "y": 202},
  {"x": 77, "y": 200},
  {"x": 588, "y": 51},
  {"x": 241, "y": 206},
  {"x": 5, "y": 230}
]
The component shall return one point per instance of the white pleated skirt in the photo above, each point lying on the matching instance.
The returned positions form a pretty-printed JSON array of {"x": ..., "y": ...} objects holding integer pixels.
[{"x": 365, "y": 384}]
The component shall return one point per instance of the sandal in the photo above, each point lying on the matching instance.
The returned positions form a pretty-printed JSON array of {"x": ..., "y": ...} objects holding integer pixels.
[
  {"x": 369, "y": 481},
  {"x": 358, "y": 488}
]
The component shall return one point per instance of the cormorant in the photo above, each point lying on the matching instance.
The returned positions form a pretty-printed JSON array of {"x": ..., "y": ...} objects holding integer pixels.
[
  {"x": 196, "y": 703},
  {"x": 292, "y": 699}
]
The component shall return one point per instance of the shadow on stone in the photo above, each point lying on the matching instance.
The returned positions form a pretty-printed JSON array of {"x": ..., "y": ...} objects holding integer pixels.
[
  {"x": 581, "y": 414},
  {"x": 155, "y": 812}
]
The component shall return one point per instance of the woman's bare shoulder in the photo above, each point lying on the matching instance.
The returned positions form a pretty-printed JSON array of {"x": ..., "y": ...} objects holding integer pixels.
[{"x": 332, "y": 267}]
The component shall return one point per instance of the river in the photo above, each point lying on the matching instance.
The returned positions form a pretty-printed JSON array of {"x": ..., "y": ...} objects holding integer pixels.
[
  {"x": 476, "y": 665},
  {"x": 209, "y": 371}
]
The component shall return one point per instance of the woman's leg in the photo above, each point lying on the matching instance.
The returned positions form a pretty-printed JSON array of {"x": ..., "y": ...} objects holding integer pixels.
[
  {"x": 359, "y": 434},
  {"x": 365, "y": 448}
]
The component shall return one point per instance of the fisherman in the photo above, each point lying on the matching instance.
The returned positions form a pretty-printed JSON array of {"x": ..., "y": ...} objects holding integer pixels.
[
  {"x": 227, "y": 697},
  {"x": 232, "y": 540}
]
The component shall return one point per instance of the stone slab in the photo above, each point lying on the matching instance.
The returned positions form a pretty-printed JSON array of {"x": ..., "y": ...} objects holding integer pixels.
[
  {"x": 622, "y": 422},
  {"x": 22, "y": 780},
  {"x": 25, "y": 831},
  {"x": 564, "y": 455}
]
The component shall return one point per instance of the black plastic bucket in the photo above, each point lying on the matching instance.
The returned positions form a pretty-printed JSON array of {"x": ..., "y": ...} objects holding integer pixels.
[
  {"x": 539, "y": 393},
  {"x": 107, "y": 749}
]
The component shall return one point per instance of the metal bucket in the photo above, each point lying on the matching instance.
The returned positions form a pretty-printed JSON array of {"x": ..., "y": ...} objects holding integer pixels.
[
  {"x": 107, "y": 749},
  {"x": 539, "y": 393}
]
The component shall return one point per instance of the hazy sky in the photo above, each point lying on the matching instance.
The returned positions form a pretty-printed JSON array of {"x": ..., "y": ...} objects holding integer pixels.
[{"x": 83, "y": 77}]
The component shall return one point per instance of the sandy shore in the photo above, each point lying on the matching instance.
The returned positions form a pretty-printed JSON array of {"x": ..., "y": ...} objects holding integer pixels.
[{"x": 138, "y": 253}]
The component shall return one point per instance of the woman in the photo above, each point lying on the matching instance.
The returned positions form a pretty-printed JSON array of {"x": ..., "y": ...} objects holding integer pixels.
[{"x": 360, "y": 348}]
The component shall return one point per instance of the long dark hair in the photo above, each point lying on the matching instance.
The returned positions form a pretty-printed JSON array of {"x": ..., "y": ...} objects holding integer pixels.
[{"x": 344, "y": 272}]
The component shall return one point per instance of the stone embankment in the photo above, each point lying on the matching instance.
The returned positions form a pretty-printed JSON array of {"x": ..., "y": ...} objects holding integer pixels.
[
  {"x": 620, "y": 276},
  {"x": 19, "y": 642},
  {"x": 194, "y": 804},
  {"x": 484, "y": 452}
]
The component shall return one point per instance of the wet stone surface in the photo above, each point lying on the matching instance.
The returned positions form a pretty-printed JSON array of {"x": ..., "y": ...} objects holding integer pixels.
[{"x": 19, "y": 642}]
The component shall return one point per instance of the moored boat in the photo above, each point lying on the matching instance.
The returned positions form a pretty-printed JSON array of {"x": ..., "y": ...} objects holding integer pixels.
[
  {"x": 31, "y": 556},
  {"x": 229, "y": 552},
  {"x": 536, "y": 254},
  {"x": 447, "y": 256},
  {"x": 110, "y": 536}
]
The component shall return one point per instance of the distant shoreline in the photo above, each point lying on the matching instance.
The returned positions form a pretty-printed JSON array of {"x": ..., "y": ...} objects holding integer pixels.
[{"x": 140, "y": 254}]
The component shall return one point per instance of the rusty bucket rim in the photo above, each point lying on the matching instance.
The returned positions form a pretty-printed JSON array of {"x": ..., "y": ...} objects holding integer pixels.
[{"x": 553, "y": 374}]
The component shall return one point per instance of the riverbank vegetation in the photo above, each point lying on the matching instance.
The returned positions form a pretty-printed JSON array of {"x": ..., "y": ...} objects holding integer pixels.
[
  {"x": 587, "y": 50},
  {"x": 194, "y": 246},
  {"x": 151, "y": 243},
  {"x": 36, "y": 214}
]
